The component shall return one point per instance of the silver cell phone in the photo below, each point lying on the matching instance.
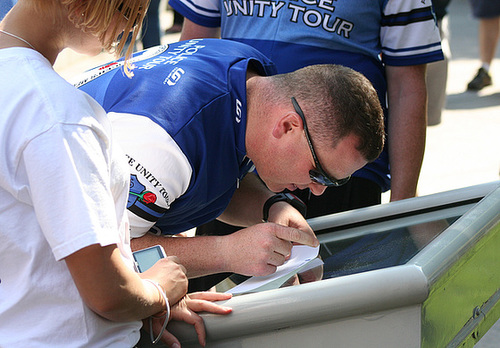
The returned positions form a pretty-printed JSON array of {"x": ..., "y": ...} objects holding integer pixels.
[{"x": 146, "y": 258}]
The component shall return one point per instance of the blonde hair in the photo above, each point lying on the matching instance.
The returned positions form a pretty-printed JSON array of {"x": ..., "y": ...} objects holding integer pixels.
[{"x": 96, "y": 16}]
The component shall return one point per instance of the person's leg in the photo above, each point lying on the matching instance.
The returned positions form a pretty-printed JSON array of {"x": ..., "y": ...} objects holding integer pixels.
[
  {"x": 489, "y": 32},
  {"x": 488, "y": 13}
]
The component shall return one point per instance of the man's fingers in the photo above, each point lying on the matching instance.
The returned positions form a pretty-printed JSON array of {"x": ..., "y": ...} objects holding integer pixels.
[
  {"x": 306, "y": 228},
  {"x": 277, "y": 259},
  {"x": 296, "y": 236},
  {"x": 283, "y": 248},
  {"x": 264, "y": 270}
]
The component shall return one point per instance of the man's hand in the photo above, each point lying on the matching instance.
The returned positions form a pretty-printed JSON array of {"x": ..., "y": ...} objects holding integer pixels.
[
  {"x": 254, "y": 251},
  {"x": 284, "y": 214},
  {"x": 171, "y": 275},
  {"x": 258, "y": 250},
  {"x": 186, "y": 310}
]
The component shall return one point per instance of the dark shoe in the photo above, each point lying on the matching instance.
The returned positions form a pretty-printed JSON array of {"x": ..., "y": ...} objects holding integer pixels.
[{"x": 481, "y": 80}]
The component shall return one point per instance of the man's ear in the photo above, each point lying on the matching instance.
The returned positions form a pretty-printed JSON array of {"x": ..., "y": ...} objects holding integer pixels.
[{"x": 288, "y": 124}]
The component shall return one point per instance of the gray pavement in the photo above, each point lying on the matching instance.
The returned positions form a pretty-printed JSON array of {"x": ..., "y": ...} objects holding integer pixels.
[{"x": 463, "y": 150}]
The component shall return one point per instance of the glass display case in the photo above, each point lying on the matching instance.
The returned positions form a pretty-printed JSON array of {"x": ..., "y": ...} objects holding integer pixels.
[{"x": 422, "y": 272}]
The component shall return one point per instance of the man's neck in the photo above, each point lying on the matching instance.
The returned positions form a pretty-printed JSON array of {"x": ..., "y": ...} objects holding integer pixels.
[
  {"x": 257, "y": 120},
  {"x": 251, "y": 73}
]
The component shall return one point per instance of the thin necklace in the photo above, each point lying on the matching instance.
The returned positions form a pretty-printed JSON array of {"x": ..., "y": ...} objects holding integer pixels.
[{"x": 17, "y": 37}]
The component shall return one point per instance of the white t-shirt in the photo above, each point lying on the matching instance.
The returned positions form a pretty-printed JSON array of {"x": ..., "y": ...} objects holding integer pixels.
[{"x": 61, "y": 190}]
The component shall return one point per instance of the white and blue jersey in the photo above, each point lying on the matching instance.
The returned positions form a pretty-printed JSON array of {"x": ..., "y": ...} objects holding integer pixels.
[
  {"x": 364, "y": 35},
  {"x": 181, "y": 120}
]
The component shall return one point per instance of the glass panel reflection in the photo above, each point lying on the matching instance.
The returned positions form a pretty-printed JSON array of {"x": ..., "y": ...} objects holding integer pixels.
[
  {"x": 373, "y": 244},
  {"x": 379, "y": 250}
]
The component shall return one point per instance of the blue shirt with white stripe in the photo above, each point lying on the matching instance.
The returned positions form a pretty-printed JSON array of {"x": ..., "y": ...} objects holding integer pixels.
[
  {"x": 196, "y": 91},
  {"x": 365, "y": 35}
]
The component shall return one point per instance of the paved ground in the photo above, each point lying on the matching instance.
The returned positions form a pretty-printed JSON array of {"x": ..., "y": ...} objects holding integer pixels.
[{"x": 463, "y": 150}]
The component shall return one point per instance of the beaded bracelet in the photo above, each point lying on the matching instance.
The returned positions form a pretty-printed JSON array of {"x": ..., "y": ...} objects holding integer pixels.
[{"x": 167, "y": 315}]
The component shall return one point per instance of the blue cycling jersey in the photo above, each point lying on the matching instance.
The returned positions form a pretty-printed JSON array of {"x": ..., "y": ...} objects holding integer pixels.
[{"x": 196, "y": 92}]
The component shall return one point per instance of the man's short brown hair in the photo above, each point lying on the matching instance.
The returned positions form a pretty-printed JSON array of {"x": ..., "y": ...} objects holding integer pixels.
[{"x": 336, "y": 101}]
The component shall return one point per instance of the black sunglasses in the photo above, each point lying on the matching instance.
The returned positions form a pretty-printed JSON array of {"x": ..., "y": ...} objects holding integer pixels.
[{"x": 318, "y": 175}]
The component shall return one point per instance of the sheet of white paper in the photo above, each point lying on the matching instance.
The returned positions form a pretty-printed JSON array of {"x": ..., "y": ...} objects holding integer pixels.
[{"x": 300, "y": 257}]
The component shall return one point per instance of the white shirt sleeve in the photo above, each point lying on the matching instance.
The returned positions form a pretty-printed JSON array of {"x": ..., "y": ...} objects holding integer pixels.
[
  {"x": 203, "y": 9},
  {"x": 71, "y": 193},
  {"x": 414, "y": 35},
  {"x": 155, "y": 159}
]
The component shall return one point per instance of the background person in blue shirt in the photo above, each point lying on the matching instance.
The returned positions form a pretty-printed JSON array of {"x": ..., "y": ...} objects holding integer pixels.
[{"x": 389, "y": 41}]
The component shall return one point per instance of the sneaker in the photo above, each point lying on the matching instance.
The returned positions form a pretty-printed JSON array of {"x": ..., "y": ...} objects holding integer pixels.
[{"x": 481, "y": 80}]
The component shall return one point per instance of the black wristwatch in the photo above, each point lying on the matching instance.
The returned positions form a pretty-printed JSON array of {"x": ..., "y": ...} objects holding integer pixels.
[{"x": 290, "y": 198}]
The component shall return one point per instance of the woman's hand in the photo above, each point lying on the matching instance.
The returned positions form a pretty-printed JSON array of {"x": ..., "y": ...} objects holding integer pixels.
[{"x": 186, "y": 310}]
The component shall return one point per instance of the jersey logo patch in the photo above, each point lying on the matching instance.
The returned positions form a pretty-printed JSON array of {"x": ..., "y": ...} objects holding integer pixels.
[
  {"x": 238, "y": 111},
  {"x": 142, "y": 202},
  {"x": 174, "y": 77}
]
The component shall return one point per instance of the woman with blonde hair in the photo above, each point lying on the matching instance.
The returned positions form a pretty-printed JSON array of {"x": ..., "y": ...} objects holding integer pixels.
[{"x": 67, "y": 275}]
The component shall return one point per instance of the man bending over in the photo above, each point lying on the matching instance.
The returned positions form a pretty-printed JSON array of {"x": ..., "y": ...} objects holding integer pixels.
[{"x": 199, "y": 115}]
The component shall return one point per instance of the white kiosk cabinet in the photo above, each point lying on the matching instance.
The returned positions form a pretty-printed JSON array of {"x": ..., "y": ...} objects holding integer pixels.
[{"x": 423, "y": 272}]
